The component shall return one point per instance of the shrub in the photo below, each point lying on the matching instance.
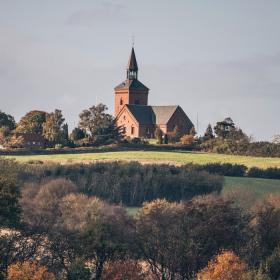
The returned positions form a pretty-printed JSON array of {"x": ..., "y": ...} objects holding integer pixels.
[
  {"x": 29, "y": 271},
  {"x": 226, "y": 169},
  {"x": 187, "y": 139},
  {"x": 269, "y": 173}
]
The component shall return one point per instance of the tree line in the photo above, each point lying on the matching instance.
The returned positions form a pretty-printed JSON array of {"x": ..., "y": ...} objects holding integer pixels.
[{"x": 95, "y": 127}]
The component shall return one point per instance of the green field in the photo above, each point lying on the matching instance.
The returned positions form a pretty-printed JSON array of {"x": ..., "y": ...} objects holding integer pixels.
[
  {"x": 256, "y": 185},
  {"x": 171, "y": 157}
]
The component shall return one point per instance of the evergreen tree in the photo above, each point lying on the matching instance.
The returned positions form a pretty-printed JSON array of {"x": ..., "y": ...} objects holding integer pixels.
[
  {"x": 208, "y": 133},
  {"x": 7, "y": 121}
]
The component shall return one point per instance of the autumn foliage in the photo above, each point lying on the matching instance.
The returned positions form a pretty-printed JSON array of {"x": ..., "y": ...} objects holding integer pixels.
[
  {"x": 125, "y": 269},
  {"x": 187, "y": 139},
  {"x": 226, "y": 266},
  {"x": 29, "y": 271}
]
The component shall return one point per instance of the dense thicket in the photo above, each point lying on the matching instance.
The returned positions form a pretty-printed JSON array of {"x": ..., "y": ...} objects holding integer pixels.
[{"x": 129, "y": 183}]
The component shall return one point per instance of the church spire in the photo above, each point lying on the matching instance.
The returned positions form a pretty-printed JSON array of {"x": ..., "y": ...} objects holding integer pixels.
[{"x": 132, "y": 67}]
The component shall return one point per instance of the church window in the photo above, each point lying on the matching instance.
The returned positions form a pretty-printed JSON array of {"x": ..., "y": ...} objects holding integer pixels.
[
  {"x": 121, "y": 101},
  {"x": 132, "y": 130}
]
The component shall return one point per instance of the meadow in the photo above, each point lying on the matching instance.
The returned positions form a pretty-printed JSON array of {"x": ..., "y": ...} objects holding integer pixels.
[{"x": 171, "y": 157}]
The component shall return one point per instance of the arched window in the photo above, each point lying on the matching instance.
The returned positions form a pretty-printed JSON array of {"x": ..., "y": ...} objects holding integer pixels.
[{"x": 121, "y": 101}]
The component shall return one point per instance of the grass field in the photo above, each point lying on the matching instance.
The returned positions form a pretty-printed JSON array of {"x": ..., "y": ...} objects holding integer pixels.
[{"x": 171, "y": 157}]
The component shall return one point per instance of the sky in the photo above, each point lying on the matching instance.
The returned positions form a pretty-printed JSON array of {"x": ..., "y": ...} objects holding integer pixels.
[{"x": 214, "y": 58}]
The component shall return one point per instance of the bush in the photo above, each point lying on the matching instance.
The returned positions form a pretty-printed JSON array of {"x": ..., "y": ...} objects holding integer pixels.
[
  {"x": 187, "y": 139},
  {"x": 29, "y": 270},
  {"x": 269, "y": 173},
  {"x": 226, "y": 169}
]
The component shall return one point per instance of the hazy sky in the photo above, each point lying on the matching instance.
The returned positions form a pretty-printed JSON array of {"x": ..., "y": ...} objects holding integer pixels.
[{"x": 215, "y": 58}]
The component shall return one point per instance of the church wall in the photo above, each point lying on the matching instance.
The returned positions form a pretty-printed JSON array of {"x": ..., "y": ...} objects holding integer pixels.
[
  {"x": 146, "y": 131},
  {"x": 180, "y": 120},
  {"x": 120, "y": 96},
  {"x": 131, "y": 126},
  {"x": 138, "y": 98}
]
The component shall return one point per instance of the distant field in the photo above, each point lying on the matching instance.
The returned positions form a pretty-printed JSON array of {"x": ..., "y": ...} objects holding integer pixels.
[
  {"x": 258, "y": 186},
  {"x": 172, "y": 157}
]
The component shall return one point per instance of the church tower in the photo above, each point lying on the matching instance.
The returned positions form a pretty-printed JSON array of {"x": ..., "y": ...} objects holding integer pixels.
[{"x": 131, "y": 91}]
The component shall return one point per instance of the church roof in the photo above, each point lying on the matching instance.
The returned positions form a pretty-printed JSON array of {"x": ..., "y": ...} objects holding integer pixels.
[
  {"x": 132, "y": 62},
  {"x": 163, "y": 113},
  {"x": 131, "y": 84},
  {"x": 142, "y": 113},
  {"x": 152, "y": 114}
]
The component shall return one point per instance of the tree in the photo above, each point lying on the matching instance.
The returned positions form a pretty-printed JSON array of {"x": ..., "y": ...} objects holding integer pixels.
[
  {"x": 225, "y": 266},
  {"x": 105, "y": 236},
  {"x": 5, "y": 135},
  {"x": 210, "y": 224},
  {"x": 9, "y": 201},
  {"x": 32, "y": 122},
  {"x": 266, "y": 225},
  {"x": 99, "y": 125},
  {"x": 180, "y": 239},
  {"x": 7, "y": 121},
  {"x": 223, "y": 128},
  {"x": 40, "y": 203},
  {"x": 272, "y": 264},
  {"x": 77, "y": 134},
  {"x": 29, "y": 271},
  {"x": 276, "y": 139},
  {"x": 124, "y": 269},
  {"x": 208, "y": 134},
  {"x": 158, "y": 134},
  {"x": 54, "y": 129},
  {"x": 158, "y": 234},
  {"x": 78, "y": 271}
]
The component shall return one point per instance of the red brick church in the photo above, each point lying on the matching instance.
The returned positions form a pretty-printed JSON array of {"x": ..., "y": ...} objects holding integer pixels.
[{"x": 137, "y": 117}]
